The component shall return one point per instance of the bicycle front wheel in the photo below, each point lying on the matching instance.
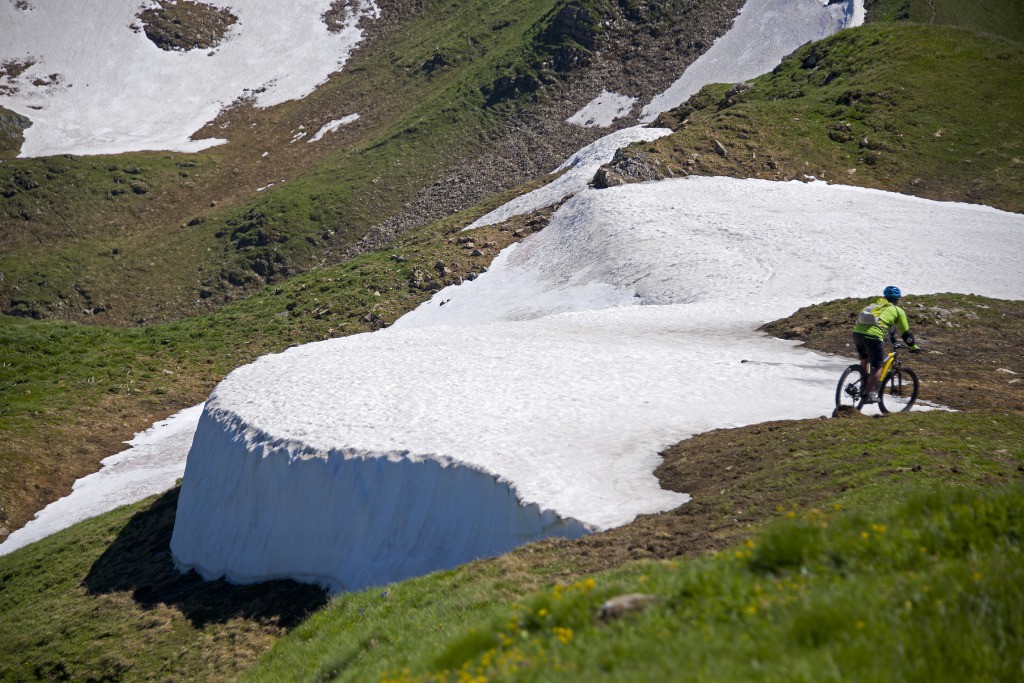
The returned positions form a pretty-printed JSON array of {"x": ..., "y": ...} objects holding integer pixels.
[
  {"x": 850, "y": 390},
  {"x": 898, "y": 391}
]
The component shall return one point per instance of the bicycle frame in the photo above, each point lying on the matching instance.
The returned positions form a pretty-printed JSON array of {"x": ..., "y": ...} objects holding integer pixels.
[
  {"x": 887, "y": 365},
  {"x": 892, "y": 357}
]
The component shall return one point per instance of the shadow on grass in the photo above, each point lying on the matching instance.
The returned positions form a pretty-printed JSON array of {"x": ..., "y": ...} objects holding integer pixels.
[{"x": 140, "y": 561}]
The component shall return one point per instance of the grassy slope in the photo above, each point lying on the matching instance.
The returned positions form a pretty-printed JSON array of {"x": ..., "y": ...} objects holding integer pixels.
[
  {"x": 996, "y": 17},
  {"x": 59, "y": 227},
  {"x": 820, "y": 451},
  {"x": 929, "y": 111},
  {"x": 926, "y": 591}
]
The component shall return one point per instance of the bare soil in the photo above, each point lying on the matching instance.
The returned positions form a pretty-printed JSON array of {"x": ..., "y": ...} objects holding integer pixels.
[{"x": 185, "y": 25}]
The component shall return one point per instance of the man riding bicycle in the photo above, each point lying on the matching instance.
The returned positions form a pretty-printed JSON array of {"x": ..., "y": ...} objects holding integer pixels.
[{"x": 868, "y": 334}]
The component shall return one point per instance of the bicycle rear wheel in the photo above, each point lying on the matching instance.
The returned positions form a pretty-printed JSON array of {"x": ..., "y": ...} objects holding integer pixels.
[
  {"x": 850, "y": 390},
  {"x": 898, "y": 391}
]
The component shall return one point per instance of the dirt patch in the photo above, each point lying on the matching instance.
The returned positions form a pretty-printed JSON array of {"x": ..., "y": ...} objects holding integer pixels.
[
  {"x": 340, "y": 13},
  {"x": 9, "y": 72},
  {"x": 183, "y": 25}
]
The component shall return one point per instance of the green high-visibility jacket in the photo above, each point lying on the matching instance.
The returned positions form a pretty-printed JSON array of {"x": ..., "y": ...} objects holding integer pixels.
[{"x": 888, "y": 314}]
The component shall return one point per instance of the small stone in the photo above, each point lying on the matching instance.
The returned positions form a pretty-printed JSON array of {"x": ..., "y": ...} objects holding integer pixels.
[
  {"x": 476, "y": 252},
  {"x": 719, "y": 148},
  {"x": 621, "y": 605}
]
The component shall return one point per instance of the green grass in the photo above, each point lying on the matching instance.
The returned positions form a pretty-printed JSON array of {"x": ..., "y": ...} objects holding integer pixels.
[
  {"x": 930, "y": 111},
  {"x": 998, "y": 17},
  {"x": 101, "y": 598},
  {"x": 930, "y": 590}
]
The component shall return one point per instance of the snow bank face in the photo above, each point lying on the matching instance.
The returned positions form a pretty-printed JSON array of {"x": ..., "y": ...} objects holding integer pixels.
[
  {"x": 115, "y": 91},
  {"x": 269, "y": 507},
  {"x": 579, "y": 171},
  {"x": 603, "y": 110},
  {"x": 764, "y": 32},
  {"x": 154, "y": 462},
  {"x": 522, "y": 412}
]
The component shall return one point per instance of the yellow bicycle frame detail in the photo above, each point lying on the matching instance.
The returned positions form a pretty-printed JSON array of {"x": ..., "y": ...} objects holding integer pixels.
[{"x": 887, "y": 364}]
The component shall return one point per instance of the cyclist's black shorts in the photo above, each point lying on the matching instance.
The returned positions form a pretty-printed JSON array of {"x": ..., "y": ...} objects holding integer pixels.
[{"x": 868, "y": 347}]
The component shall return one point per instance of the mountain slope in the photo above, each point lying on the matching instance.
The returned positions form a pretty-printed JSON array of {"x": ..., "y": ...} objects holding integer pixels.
[
  {"x": 456, "y": 101},
  {"x": 927, "y": 111},
  {"x": 64, "y": 624}
]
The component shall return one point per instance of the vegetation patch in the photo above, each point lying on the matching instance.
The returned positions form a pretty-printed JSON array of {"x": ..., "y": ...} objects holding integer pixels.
[
  {"x": 183, "y": 25},
  {"x": 108, "y": 586},
  {"x": 12, "y": 133},
  {"x": 822, "y": 595}
]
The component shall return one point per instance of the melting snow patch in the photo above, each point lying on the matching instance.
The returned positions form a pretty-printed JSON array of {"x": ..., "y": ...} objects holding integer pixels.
[
  {"x": 602, "y": 111},
  {"x": 764, "y": 32},
  {"x": 537, "y": 399},
  {"x": 154, "y": 462},
  {"x": 333, "y": 126}
]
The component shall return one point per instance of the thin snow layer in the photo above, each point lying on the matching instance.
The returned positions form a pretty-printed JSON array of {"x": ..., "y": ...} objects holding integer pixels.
[
  {"x": 115, "y": 91},
  {"x": 602, "y": 111},
  {"x": 579, "y": 171},
  {"x": 332, "y": 126},
  {"x": 545, "y": 389},
  {"x": 764, "y": 32},
  {"x": 154, "y": 462}
]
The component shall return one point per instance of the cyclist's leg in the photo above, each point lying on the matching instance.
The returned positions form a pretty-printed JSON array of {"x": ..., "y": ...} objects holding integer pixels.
[
  {"x": 871, "y": 351},
  {"x": 877, "y": 351},
  {"x": 862, "y": 351}
]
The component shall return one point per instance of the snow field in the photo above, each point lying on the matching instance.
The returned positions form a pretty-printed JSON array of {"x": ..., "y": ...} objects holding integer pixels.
[
  {"x": 513, "y": 382},
  {"x": 118, "y": 92},
  {"x": 438, "y": 514}
]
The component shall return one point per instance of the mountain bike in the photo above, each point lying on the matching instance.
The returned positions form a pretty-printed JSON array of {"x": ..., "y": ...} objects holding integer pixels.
[{"x": 897, "y": 391}]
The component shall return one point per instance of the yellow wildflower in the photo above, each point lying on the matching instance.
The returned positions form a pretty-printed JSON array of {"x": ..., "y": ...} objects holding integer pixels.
[{"x": 564, "y": 635}]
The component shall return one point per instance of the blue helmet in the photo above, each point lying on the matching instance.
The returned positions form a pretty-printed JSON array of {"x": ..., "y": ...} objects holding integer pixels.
[{"x": 892, "y": 293}]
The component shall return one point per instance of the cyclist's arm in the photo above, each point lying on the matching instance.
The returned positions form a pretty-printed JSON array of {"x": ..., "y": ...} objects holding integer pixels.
[{"x": 901, "y": 322}]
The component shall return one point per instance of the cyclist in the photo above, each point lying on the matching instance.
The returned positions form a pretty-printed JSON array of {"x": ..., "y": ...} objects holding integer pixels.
[{"x": 868, "y": 334}]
